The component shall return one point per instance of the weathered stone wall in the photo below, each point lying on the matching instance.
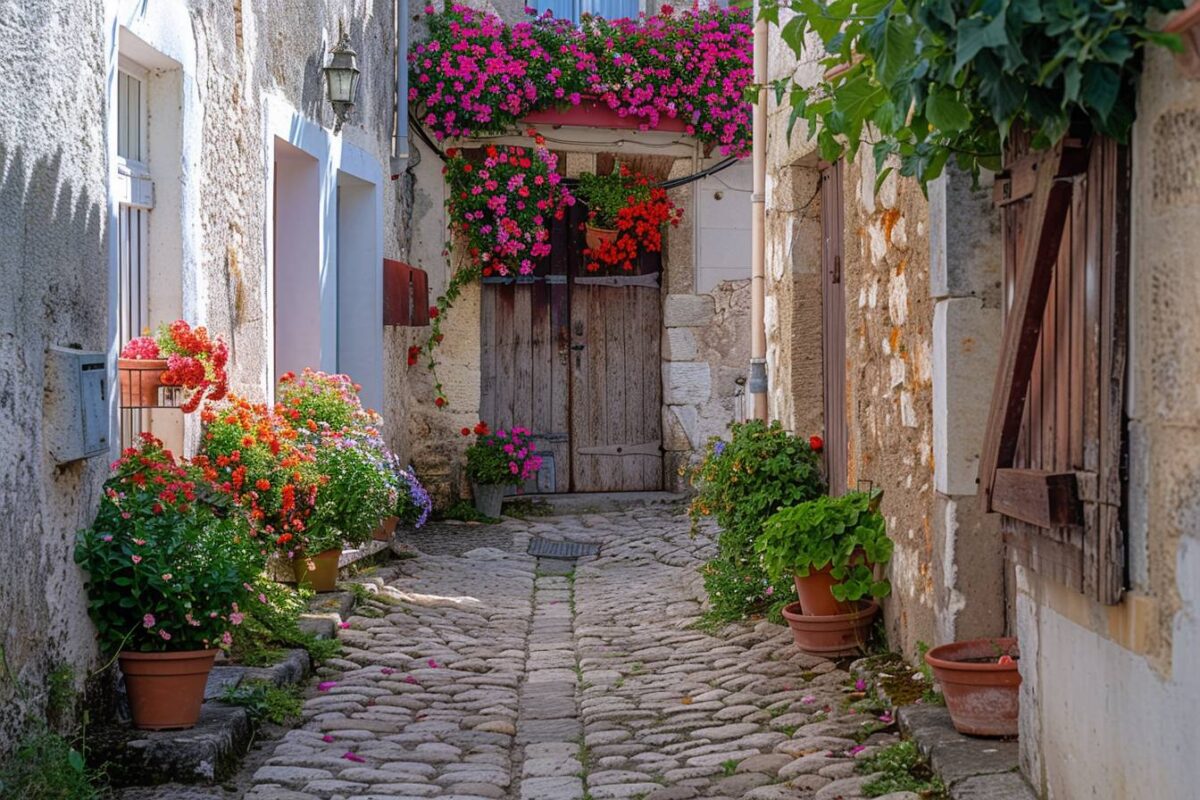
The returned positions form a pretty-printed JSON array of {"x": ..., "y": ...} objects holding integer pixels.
[
  {"x": 54, "y": 291},
  {"x": 889, "y": 326},
  {"x": 1109, "y": 693}
]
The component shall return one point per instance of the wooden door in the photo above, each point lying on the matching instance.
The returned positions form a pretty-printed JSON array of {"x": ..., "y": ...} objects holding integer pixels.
[
  {"x": 523, "y": 360},
  {"x": 616, "y": 379},
  {"x": 575, "y": 357},
  {"x": 833, "y": 331}
]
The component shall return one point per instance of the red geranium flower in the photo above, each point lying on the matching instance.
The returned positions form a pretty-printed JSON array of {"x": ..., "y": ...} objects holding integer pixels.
[{"x": 816, "y": 443}]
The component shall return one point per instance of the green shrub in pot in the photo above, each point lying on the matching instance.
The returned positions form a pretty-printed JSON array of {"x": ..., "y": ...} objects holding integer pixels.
[{"x": 846, "y": 534}]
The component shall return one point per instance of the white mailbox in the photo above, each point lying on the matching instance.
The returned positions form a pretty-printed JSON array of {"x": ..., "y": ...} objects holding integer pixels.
[{"x": 76, "y": 408}]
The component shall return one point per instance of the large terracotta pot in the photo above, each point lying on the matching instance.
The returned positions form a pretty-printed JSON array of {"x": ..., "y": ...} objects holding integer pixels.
[
  {"x": 140, "y": 380},
  {"x": 595, "y": 237},
  {"x": 489, "y": 498},
  {"x": 983, "y": 696},
  {"x": 814, "y": 591},
  {"x": 385, "y": 530},
  {"x": 166, "y": 690},
  {"x": 320, "y": 570},
  {"x": 831, "y": 634}
]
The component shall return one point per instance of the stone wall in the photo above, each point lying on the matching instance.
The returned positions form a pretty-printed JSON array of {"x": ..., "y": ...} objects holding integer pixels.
[
  {"x": 889, "y": 329},
  {"x": 54, "y": 291},
  {"x": 1109, "y": 691}
]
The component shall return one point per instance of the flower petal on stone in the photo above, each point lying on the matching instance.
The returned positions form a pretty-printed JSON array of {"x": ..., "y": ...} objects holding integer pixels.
[
  {"x": 325, "y": 686},
  {"x": 808, "y": 699},
  {"x": 355, "y": 757}
]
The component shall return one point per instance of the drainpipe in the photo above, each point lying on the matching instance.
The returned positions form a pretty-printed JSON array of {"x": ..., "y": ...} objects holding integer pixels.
[
  {"x": 399, "y": 161},
  {"x": 758, "y": 271}
]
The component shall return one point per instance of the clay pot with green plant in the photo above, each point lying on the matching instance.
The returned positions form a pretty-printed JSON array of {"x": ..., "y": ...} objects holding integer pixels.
[
  {"x": 981, "y": 683},
  {"x": 831, "y": 546},
  {"x": 170, "y": 559}
]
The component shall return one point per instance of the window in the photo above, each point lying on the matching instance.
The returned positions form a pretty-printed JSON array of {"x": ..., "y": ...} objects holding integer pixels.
[
  {"x": 135, "y": 198},
  {"x": 1053, "y": 460},
  {"x": 574, "y": 9}
]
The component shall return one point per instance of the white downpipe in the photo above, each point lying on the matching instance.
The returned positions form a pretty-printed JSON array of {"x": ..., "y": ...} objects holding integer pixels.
[
  {"x": 758, "y": 270},
  {"x": 399, "y": 160}
]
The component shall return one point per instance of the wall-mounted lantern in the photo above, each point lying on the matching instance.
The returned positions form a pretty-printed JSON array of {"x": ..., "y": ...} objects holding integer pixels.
[{"x": 341, "y": 78}]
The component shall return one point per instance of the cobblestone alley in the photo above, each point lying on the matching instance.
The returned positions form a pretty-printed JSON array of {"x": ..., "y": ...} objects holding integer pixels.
[{"x": 480, "y": 673}]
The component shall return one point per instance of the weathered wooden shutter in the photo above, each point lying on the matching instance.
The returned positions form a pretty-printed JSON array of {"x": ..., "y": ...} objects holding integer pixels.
[
  {"x": 833, "y": 331},
  {"x": 1052, "y": 461}
]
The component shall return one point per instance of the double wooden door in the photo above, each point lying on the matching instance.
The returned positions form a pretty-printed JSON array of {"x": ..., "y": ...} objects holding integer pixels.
[{"x": 574, "y": 356}]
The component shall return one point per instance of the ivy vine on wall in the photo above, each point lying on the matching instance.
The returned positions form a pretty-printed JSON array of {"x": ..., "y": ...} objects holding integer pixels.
[{"x": 929, "y": 80}]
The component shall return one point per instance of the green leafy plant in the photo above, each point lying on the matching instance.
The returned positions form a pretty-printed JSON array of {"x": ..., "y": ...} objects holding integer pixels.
[
  {"x": 740, "y": 483},
  {"x": 927, "y": 80},
  {"x": 464, "y": 511},
  {"x": 271, "y": 626},
  {"x": 264, "y": 700},
  {"x": 845, "y": 533},
  {"x": 169, "y": 557},
  {"x": 45, "y": 766},
  {"x": 903, "y": 770}
]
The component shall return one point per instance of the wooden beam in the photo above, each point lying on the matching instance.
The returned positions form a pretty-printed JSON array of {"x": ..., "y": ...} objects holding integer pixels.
[
  {"x": 1019, "y": 178},
  {"x": 1049, "y": 207},
  {"x": 1042, "y": 498}
]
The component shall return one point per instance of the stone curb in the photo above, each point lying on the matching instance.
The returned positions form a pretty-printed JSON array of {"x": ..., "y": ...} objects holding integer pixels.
[
  {"x": 972, "y": 768},
  {"x": 212, "y": 751}
]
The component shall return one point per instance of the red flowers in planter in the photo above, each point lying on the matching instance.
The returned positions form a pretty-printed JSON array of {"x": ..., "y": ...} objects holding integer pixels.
[
  {"x": 627, "y": 202},
  {"x": 194, "y": 361}
]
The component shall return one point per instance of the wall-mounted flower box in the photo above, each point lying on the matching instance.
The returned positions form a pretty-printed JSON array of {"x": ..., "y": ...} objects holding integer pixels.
[
  {"x": 1186, "y": 25},
  {"x": 594, "y": 113}
]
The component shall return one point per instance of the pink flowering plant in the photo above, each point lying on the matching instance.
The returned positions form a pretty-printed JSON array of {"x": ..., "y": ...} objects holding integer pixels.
[
  {"x": 476, "y": 75},
  {"x": 499, "y": 208},
  {"x": 170, "y": 558},
  {"x": 502, "y": 456}
]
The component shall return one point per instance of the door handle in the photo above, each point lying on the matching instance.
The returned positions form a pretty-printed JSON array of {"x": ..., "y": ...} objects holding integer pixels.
[{"x": 837, "y": 269}]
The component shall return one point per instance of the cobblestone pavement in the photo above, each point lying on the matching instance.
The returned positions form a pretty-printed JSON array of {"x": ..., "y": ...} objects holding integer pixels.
[{"x": 481, "y": 676}]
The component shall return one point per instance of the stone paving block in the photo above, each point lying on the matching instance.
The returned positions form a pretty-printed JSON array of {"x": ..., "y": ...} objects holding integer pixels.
[{"x": 1006, "y": 786}]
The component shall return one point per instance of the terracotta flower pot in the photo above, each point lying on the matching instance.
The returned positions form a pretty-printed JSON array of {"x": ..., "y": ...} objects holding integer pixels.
[
  {"x": 140, "y": 380},
  {"x": 320, "y": 570},
  {"x": 489, "y": 498},
  {"x": 166, "y": 690},
  {"x": 385, "y": 530},
  {"x": 983, "y": 696},
  {"x": 814, "y": 591},
  {"x": 831, "y": 634},
  {"x": 595, "y": 237}
]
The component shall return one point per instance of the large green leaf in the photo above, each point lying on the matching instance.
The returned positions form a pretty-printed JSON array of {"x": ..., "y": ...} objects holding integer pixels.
[
  {"x": 947, "y": 112},
  {"x": 975, "y": 34}
]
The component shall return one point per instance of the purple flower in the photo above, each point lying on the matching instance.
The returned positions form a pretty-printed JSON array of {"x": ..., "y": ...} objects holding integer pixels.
[
  {"x": 860, "y": 685},
  {"x": 325, "y": 686}
]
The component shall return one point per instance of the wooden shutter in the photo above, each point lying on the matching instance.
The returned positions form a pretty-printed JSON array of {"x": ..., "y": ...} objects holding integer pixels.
[
  {"x": 1053, "y": 457},
  {"x": 833, "y": 331}
]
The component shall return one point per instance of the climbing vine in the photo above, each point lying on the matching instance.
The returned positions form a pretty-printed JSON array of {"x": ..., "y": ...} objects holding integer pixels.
[{"x": 928, "y": 80}]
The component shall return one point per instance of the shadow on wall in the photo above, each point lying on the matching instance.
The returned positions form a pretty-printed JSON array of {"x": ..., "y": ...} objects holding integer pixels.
[{"x": 53, "y": 291}]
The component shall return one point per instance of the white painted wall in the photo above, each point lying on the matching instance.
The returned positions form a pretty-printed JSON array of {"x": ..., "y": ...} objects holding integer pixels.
[
  {"x": 723, "y": 226},
  {"x": 306, "y": 167}
]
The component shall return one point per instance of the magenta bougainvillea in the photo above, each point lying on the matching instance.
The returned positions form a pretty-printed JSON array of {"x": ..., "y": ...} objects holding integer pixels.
[{"x": 477, "y": 75}]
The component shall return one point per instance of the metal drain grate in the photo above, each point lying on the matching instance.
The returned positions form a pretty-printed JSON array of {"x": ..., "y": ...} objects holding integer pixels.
[{"x": 545, "y": 548}]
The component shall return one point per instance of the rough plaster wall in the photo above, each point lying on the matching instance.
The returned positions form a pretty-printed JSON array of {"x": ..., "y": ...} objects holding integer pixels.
[
  {"x": 53, "y": 291},
  {"x": 1142, "y": 657}
]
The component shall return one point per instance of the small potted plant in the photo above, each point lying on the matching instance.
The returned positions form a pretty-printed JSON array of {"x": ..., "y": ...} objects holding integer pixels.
[
  {"x": 177, "y": 355},
  {"x": 169, "y": 559},
  {"x": 357, "y": 487},
  {"x": 497, "y": 460},
  {"x": 981, "y": 683},
  {"x": 626, "y": 216},
  {"x": 831, "y": 546}
]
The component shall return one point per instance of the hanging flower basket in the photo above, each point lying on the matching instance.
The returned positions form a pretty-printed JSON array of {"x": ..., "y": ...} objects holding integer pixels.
[
  {"x": 141, "y": 379},
  {"x": 597, "y": 237}
]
